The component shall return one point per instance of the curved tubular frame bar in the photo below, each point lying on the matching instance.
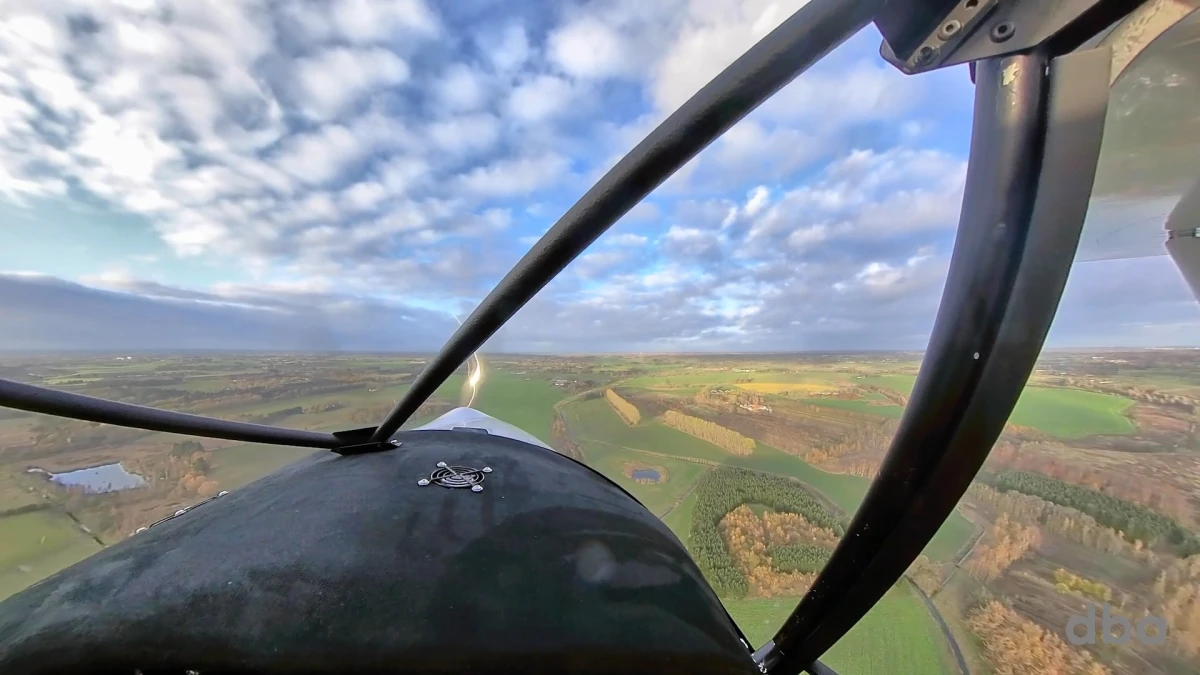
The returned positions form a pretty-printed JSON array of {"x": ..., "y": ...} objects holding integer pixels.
[
  {"x": 1034, "y": 149},
  {"x": 778, "y": 58},
  {"x": 66, "y": 404},
  {"x": 801, "y": 40}
]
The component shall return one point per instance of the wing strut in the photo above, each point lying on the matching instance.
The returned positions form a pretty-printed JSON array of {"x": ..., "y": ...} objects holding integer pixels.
[
  {"x": 78, "y": 406},
  {"x": 1034, "y": 149}
]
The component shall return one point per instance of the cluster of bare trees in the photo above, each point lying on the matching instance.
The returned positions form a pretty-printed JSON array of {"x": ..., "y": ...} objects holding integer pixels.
[
  {"x": 1005, "y": 542},
  {"x": 728, "y": 399},
  {"x": 626, "y": 410},
  {"x": 862, "y": 446},
  {"x": 1013, "y": 644},
  {"x": 183, "y": 471},
  {"x": 864, "y": 468},
  {"x": 926, "y": 574},
  {"x": 1069, "y": 582},
  {"x": 560, "y": 440},
  {"x": 1177, "y": 599},
  {"x": 723, "y": 438}
]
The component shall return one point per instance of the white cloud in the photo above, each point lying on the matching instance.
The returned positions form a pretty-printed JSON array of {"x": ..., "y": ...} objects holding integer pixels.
[
  {"x": 403, "y": 174},
  {"x": 627, "y": 239},
  {"x": 755, "y": 152},
  {"x": 588, "y": 48},
  {"x": 364, "y": 196},
  {"x": 599, "y": 264},
  {"x": 691, "y": 242},
  {"x": 507, "y": 49},
  {"x": 363, "y": 21},
  {"x": 862, "y": 91},
  {"x": 756, "y": 201},
  {"x": 320, "y": 156},
  {"x": 360, "y": 146},
  {"x": 461, "y": 88},
  {"x": 334, "y": 79},
  {"x": 712, "y": 36},
  {"x": 517, "y": 176},
  {"x": 540, "y": 99},
  {"x": 465, "y": 134}
]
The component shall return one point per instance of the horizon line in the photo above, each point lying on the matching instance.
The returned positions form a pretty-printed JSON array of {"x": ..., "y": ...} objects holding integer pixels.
[{"x": 399, "y": 353}]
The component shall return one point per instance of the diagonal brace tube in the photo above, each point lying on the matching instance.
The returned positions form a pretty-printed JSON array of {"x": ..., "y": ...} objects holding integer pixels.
[
  {"x": 800, "y": 41},
  {"x": 78, "y": 406}
]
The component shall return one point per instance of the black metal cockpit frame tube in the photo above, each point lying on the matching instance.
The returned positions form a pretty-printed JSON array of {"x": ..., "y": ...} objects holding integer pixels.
[
  {"x": 801, "y": 40},
  {"x": 1034, "y": 149},
  {"x": 778, "y": 58},
  {"x": 66, "y": 404}
]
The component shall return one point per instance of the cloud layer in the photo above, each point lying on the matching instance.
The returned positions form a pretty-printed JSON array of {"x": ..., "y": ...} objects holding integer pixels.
[{"x": 297, "y": 174}]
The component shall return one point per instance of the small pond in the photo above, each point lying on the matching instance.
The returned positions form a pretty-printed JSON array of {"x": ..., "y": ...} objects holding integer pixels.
[
  {"x": 646, "y": 474},
  {"x": 97, "y": 479}
]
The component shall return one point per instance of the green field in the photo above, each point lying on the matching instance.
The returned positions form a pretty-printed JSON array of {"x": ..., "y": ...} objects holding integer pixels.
[
  {"x": 348, "y": 398},
  {"x": 236, "y": 465},
  {"x": 37, "y": 545},
  {"x": 680, "y": 518},
  {"x": 1072, "y": 413},
  {"x": 527, "y": 404},
  {"x": 899, "y": 383},
  {"x": 1065, "y": 413},
  {"x": 658, "y": 497},
  {"x": 16, "y": 495},
  {"x": 898, "y": 636}
]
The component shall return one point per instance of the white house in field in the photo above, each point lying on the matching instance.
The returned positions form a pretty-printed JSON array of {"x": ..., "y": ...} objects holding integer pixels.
[{"x": 754, "y": 407}]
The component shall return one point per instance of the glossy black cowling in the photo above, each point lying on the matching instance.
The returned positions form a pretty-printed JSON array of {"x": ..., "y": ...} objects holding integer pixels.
[{"x": 350, "y": 564}]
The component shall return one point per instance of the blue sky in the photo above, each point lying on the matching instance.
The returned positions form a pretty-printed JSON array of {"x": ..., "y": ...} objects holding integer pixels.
[{"x": 352, "y": 174}]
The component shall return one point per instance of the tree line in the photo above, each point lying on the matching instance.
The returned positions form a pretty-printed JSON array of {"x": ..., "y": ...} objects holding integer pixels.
[
  {"x": 723, "y": 438},
  {"x": 1134, "y": 520},
  {"x": 1161, "y": 497},
  {"x": 1143, "y": 394},
  {"x": 1069, "y": 523},
  {"x": 560, "y": 439},
  {"x": 627, "y": 411},
  {"x": 724, "y": 489},
  {"x": 1176, "y": 598},
  {"x": 724, "y": 397}
]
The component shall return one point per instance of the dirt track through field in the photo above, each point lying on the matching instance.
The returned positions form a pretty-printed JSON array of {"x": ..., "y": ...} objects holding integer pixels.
[
  {"x": 954, "y": 648},
  {"x": 679, "y": 501}
]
